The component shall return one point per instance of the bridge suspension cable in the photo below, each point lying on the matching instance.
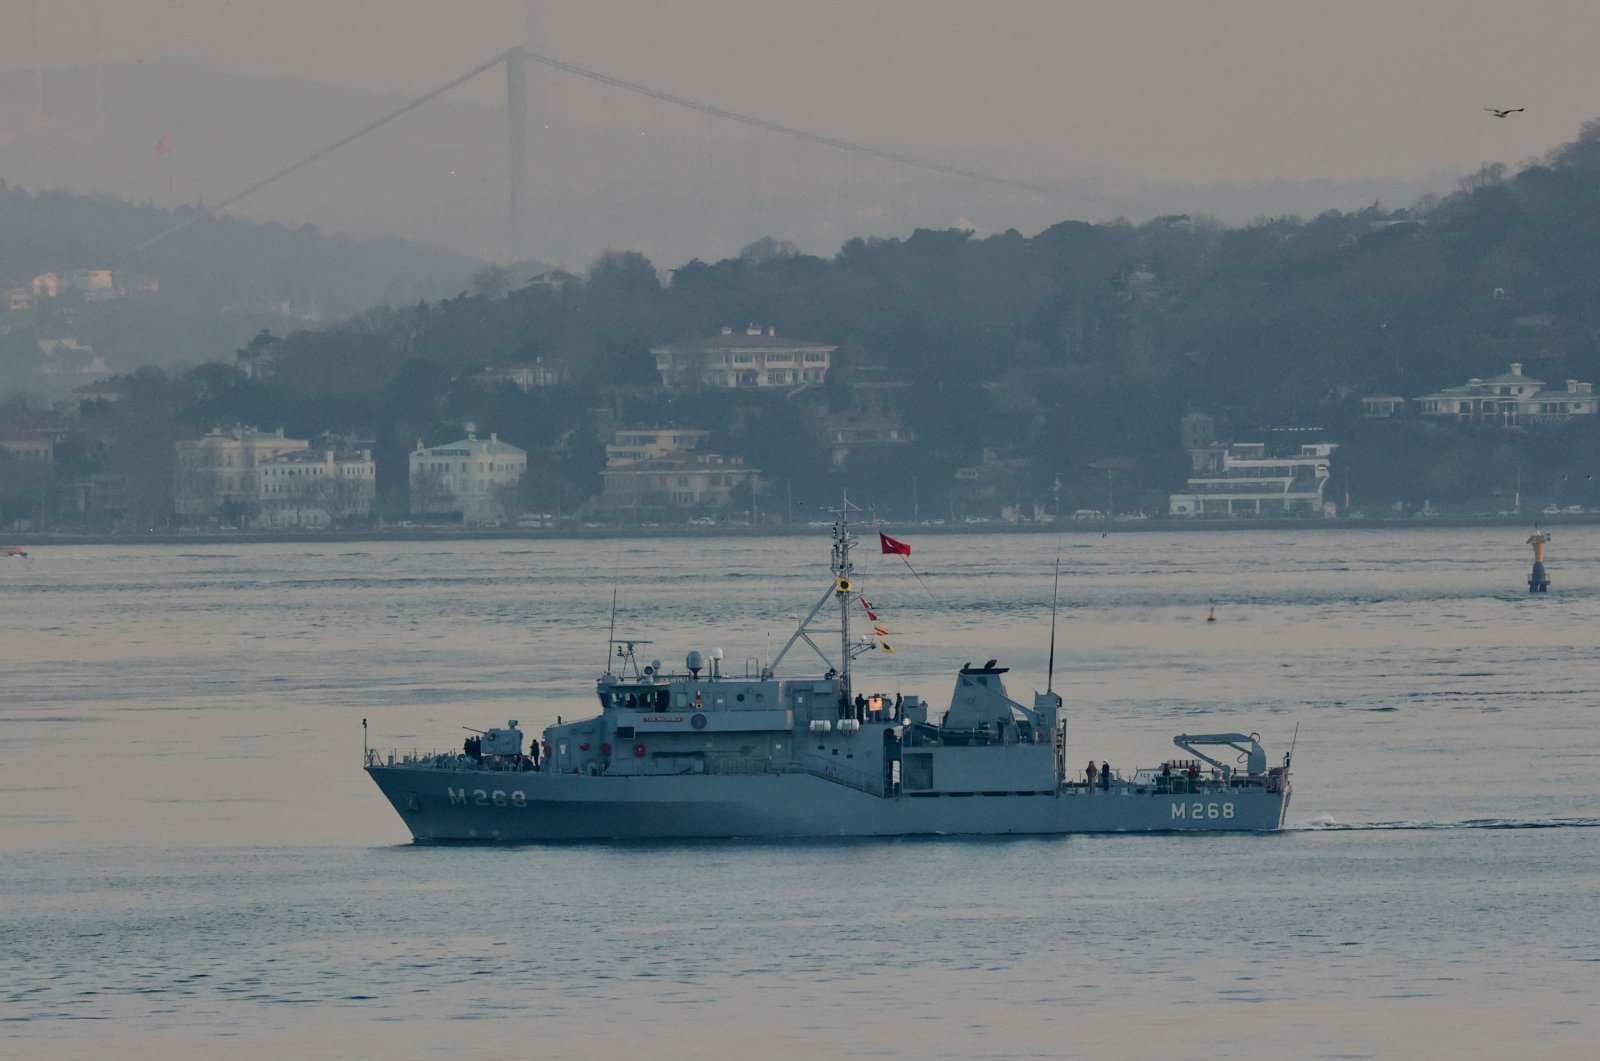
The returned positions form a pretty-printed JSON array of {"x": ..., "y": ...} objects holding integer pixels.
[
  {"x": 309, "y": 159},
  {"x": 789, "y": 130},
  {"x": 711, "y": 110}
]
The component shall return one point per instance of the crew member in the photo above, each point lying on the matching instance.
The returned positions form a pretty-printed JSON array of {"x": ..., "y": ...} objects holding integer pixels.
[
  {"x": 1090, "y": 773},
  {"x": 1105, "y": 775}
]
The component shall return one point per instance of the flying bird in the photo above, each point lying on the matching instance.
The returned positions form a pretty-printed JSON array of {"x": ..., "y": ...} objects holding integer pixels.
[{"x": 1498, "y": 113}]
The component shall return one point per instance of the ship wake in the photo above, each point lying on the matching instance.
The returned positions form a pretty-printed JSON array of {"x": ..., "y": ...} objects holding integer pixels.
[{"x": 1326, "y": 823}]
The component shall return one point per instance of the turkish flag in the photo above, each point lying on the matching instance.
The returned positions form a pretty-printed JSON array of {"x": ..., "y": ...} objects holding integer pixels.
[{"x": 892, "y": 546}]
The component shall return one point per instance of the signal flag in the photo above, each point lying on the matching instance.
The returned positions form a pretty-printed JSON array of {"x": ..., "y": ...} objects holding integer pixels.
[{"x": 892, "y": 547}]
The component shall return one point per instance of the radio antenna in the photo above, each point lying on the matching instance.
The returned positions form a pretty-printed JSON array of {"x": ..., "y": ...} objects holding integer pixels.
[
  {"x": 1050, "y": 674},
  {"x": 611, "y": 638}
]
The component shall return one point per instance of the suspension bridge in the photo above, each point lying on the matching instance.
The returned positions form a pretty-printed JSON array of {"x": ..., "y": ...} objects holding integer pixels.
[{"x": 528, "y": 220}]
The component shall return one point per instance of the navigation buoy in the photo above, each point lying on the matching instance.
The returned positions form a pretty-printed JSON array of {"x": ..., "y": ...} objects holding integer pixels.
[
  {"x": 1212, "y": 617},
  {"x": 1538, "y": 581}
]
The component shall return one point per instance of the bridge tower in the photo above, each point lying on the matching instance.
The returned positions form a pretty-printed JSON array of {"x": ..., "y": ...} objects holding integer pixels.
[{"x": 517, "y": 150}]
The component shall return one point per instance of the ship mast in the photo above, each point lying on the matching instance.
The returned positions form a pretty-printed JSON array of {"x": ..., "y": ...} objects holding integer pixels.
[
  {"x": 841, "y": 590},
  {"x": 843, "y": 587}
]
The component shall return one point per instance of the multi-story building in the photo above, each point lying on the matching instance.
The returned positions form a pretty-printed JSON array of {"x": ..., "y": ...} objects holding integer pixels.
[
  {"x": 683, "y": 481},
  {"x": 1243, "y": 479},
  {"x": 28, "y": 444},
  {"x": 642, "y": 444},
  {"x": 1381, "y": 406},
  {"x": 95, "y": 285},
  {"x": 754, "y": 359},
  {"x": 222, "y": 468},
  {"x": 535, "y": 373},
  {"x": 653, "y": 471},
  {"x": 1510, "y": 399},
  {"x": 316, "y": 488},
  {"x": 871, "y": 424},
  {"x": 475, "y": 478}
]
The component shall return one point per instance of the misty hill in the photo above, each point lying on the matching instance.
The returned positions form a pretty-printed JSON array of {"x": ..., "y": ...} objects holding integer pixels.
[
  {"x": 220, "y": 262},
  {"x": 198, "y": 289},
  {"x": 607, "y": 169},
  {"x": 1071, "y": 354}
]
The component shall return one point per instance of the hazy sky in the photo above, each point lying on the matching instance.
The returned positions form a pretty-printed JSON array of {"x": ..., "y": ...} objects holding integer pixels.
[{"x": 1159, "y": 91}]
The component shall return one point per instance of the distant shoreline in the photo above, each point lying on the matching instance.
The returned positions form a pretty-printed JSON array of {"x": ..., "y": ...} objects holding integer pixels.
[{"x": 1074, "y": 527}]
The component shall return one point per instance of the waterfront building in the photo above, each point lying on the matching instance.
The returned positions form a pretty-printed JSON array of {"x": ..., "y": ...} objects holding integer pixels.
[
  {"x": 1245, "y": 479},
  {"x": 641, "y": 444},
  {"x": 474, "y": 478},
  {"x": 222, "y": 468},
  {"x": 311, "y": 489},
  {"x": 681, "y": 481}
]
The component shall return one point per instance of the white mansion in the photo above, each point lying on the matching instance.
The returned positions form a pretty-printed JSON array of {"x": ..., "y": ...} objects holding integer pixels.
[
  {"x": 474, "y": 477},
  {"x": 1510, "y": 399},
  {"x": 754, "y": 359},
  {"x": 313, "y": 488}
]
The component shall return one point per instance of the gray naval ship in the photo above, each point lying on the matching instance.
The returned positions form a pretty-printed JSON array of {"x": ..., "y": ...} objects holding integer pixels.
[{"x": 701, "y": 754}]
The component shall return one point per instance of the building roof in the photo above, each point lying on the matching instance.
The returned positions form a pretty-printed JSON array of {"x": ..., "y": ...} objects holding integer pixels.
[
  {"x": 492, "y": 444},
  {"x": 1513, "y": 377},
  {"x": 313, "y": 456},
  {"x": 743, "y": 341}
]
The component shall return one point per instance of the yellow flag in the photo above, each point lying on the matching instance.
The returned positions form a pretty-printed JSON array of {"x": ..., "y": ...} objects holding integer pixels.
[{"x": 886, "y": 646}]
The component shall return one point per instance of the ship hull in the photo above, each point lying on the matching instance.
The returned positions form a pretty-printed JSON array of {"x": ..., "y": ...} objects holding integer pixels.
[{"x": 446, "y": 806}]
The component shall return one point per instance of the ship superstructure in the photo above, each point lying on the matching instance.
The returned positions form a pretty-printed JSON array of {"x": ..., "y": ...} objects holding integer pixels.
[{"x": 700, "y": 753}]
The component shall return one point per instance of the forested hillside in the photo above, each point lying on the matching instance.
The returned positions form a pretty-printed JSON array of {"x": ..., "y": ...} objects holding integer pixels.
[{"x": 1071, "y": 354}]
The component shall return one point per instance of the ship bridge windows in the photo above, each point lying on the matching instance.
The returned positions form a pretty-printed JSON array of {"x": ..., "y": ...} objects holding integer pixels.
[{"x": 646, "y": 699}]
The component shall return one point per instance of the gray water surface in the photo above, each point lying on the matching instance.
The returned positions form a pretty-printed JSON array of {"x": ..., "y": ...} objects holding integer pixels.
[{"x": 193, "y": 865}]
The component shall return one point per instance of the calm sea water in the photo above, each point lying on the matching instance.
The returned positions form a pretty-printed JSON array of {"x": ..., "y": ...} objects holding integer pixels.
[{"x": 193, "y": 865}]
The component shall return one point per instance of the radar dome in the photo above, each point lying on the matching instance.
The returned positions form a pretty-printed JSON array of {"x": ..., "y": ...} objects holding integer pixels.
[{"x": 694, "y": 661}]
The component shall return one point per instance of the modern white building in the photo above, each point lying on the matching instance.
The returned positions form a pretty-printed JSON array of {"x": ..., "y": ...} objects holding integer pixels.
[
  {"x": 754, "y": 359},
  {"x": 1242, "y": 479},
  {"x": 1510, "y": 399},
  {"x": 315, "y": 488},
  {"x": 474, "y": 477}
]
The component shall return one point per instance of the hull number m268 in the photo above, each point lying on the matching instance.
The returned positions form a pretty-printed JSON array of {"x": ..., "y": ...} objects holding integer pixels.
[
  {"x": 1199, "y": 811},
  {"x": 480, "y": 797}
]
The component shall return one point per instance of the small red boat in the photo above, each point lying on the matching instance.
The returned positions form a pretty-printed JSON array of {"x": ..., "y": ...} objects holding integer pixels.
[{"x": 13, "y": 550}]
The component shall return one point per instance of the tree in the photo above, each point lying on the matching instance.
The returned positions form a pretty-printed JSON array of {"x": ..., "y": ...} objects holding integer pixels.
[{"x": 429, "y": 495}]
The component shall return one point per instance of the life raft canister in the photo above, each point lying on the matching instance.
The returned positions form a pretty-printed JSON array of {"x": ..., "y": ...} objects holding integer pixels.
[{"x": 638, "y": 751}]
